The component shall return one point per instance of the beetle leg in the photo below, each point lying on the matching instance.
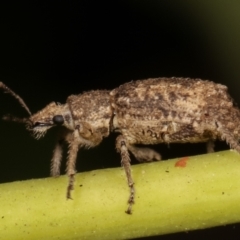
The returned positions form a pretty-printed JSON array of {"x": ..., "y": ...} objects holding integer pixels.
[
  {"x": 57, "y": 154},
  {"x": 73, "y": 150},
  {"x": 121, "y": 145},
  {"x": 210, "y": 146},
  {"x": 143, "y": 154}
]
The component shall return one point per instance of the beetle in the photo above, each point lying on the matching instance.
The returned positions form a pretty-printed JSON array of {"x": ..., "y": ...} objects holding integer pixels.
[{"x": 146, "y": 112}]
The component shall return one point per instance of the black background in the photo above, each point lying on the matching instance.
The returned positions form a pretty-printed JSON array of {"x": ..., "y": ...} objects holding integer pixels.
[{"x": 50, "y": 50}]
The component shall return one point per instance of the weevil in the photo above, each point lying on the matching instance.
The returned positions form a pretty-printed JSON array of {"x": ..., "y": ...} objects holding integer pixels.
[{"x": 142, "y": 112}]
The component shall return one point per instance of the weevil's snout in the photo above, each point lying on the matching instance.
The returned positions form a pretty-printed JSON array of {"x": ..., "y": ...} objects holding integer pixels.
[
  {"x": 52, "y": 115},
  {"x": 43, "y": 123}
]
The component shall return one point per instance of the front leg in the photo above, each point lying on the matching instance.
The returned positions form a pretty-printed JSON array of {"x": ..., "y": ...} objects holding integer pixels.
[
  {"x": 57, "y": 155},
  {"x": 121, "y": 145},
  {"x": 72, "y": 157}
]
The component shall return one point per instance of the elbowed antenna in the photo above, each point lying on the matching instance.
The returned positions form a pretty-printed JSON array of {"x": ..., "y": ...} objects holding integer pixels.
[
  {"x": 20, "y": 100},
  {"x": 11, "y": 118}
]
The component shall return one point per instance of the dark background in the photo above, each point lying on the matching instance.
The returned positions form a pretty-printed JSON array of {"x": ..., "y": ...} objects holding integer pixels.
[{"x": 50, "y": 50}]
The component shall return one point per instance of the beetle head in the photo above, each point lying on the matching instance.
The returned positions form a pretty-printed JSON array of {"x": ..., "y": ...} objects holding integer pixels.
[{"x": 54, "y": 114}]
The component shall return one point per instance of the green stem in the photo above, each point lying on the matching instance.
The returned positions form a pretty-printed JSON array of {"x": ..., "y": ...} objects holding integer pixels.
[{"x": 198, "y": 192}]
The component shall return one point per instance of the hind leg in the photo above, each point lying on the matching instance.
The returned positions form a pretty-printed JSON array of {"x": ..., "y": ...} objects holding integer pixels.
[
  {"x": 210, "y": 146},
  {"x": 228, "y": 133},
  {"x": 230, "y": 140},
  {"x": 143, "y": 154}
]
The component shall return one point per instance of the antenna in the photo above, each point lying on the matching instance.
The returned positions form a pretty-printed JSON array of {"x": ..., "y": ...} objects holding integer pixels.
[{"x": 20, "y": 100}]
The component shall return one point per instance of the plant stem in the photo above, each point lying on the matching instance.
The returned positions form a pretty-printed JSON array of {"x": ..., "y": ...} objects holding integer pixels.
[{"x": 171, "y": 196}]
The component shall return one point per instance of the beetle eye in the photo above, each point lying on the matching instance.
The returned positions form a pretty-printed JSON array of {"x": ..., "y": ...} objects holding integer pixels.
[{"x": 58, "y": 119}]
